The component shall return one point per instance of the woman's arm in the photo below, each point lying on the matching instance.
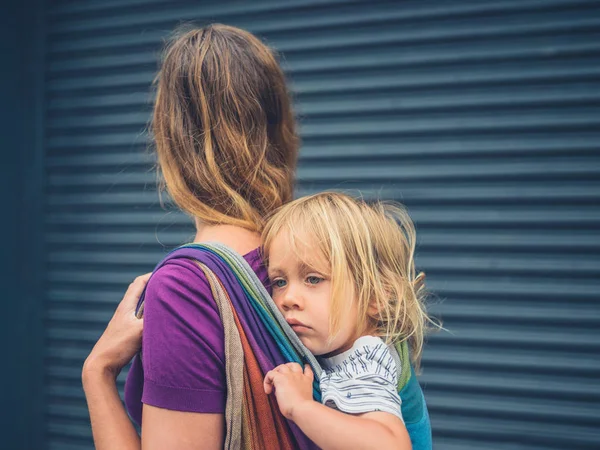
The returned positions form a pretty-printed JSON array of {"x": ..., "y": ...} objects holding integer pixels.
[
  {"x": 161, "y": 428},
  {"x": 111, "y": 426},
  {"x": 121, "y": 340},
  {"x": 184, "y": 383},
  {"x": 180, "y": 430},
  {"x": 326, "y": 427}
]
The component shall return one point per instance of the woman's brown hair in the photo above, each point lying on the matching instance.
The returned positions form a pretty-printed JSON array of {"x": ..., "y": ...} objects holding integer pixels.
[{"x": 224, "y": 128}]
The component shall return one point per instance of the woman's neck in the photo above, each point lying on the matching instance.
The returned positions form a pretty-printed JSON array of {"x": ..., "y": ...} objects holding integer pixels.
[{"x": 237, "y": 238}]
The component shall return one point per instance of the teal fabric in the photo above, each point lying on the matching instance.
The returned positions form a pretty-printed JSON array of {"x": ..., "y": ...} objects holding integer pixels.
[
  {"x": 415, "y": 413},
  {"x": 420, "y": 432},
  {"x": 412, "y": 400}
]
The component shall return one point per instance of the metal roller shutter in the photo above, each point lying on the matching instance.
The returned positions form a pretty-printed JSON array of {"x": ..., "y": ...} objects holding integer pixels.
[{"x": 482, "y": 117}]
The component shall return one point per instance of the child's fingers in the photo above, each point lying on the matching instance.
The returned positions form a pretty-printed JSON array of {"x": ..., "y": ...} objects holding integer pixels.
[
  {"x": 268, "y": 382},
  {"x": 294, "y": 367},
  {"x": 283, "y": 369},
  {"x": 308, "y": 372}
]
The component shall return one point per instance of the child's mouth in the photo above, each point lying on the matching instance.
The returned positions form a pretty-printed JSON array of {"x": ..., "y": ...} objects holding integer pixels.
[
  {"x": 300, "y": 328},
  {"x": 297, "y": 326}
]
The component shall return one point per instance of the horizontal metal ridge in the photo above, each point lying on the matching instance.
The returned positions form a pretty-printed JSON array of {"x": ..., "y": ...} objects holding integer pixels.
[
  {"x": 75, "y": 10},
  {"x": 317, "y": 35},
  {"x": 88, "y": 113},
  {"x": 415, "y": 12},
  {"x": 543, "y": 241},
  {"x": 352, "y": 58}
]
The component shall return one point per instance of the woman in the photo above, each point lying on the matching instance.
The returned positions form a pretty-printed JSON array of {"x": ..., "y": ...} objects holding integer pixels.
[{"x": 227, "y": 148}]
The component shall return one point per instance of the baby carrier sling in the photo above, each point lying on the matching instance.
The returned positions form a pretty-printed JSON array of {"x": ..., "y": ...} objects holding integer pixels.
[{"x": 252, "y": 324}]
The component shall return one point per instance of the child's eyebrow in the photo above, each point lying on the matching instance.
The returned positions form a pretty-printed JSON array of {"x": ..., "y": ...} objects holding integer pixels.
[
  {"x": 274, "y": 271},
  {"x": 304, "y": 268}
]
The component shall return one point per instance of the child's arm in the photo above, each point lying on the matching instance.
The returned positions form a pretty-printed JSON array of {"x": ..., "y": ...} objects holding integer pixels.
[
  {"x": 332, "y": 430},
  {"x": 326, "y": 427}
]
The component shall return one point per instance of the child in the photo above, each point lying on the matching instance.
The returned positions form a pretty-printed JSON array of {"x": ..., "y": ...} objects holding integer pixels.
[{"x": 343, "y": 277}]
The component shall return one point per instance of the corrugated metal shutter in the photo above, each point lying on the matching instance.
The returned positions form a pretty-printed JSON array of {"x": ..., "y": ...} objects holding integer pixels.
[{"x": 483, "y": 117}]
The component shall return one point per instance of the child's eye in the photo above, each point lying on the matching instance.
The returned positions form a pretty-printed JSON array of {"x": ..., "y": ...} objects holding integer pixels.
[
  {"x": 314, "y": 280},
  {"x": 279, "y": 283}
]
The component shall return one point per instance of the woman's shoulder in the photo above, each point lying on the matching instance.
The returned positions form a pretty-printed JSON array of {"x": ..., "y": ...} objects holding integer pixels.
[
  {"x": 176, "y": 271},
  {"x": 179, "y": 278},
  {"x": 182, "y": 346},
  {"x": 175, "y": 279},
  {"x": 178, "y": 268},
  {"x": 179, "y": 313}
]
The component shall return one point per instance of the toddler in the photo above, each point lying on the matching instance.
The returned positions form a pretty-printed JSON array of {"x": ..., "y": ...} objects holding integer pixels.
[{"x": 343, "y": 276}]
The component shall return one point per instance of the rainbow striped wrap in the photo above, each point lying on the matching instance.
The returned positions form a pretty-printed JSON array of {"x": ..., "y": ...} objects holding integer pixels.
[{"x": 257, "y": 339}]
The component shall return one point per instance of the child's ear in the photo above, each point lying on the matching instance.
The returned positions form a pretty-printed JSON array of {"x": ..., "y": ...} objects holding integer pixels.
[{"x": 373, "y": 310}]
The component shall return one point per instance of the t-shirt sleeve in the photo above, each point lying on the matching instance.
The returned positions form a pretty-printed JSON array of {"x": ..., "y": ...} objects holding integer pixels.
[
  {"x": 365, "y": 382},
  {"x": 183, "y": 342}
]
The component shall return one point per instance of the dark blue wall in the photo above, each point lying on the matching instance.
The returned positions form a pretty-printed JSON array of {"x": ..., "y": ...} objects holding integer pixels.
[
  {"x": 482, "y": 117},
  {"x": 21, "y": 169}
]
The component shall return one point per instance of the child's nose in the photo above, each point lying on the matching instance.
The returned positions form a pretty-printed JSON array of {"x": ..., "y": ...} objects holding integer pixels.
[{"x": 291, "y": 300}]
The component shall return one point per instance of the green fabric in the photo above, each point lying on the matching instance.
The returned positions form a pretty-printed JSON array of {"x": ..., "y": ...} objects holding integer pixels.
[{"x": 405, "y": 369}]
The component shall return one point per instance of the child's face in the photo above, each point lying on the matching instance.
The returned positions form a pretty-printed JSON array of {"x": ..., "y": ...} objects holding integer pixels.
[{"x": 303, "y": 295}]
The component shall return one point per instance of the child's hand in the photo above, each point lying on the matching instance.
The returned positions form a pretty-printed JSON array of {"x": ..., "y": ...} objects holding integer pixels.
[{"x": 292, "y": 386}]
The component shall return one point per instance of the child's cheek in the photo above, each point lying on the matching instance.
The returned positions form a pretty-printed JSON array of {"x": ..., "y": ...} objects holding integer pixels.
[{"x": 277, "y": 301}]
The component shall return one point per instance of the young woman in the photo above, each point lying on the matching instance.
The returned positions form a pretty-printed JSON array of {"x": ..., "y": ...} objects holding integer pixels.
[{"x": 227, "y": 147}]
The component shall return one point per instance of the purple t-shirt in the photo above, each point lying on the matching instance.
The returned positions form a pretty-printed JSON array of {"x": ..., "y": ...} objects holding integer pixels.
[{"x": 183, "y": 355}]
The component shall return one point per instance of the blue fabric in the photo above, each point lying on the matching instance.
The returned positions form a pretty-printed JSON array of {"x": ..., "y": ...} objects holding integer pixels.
[
  {"x": 412, "y": 399},
  {"x": 420, "y": 432},
  {"x": 415, "y": 414}
]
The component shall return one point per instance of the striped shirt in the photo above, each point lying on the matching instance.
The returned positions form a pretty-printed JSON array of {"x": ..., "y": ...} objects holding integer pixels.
[{"x": 362, "y": 379}]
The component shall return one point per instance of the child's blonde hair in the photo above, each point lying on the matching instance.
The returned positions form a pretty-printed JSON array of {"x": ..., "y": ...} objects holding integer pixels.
[{"x": 373, "y": 246}]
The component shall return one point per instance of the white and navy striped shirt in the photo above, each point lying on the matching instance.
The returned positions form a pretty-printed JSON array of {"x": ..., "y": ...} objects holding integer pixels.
[{"x": 362, "y": 379}]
